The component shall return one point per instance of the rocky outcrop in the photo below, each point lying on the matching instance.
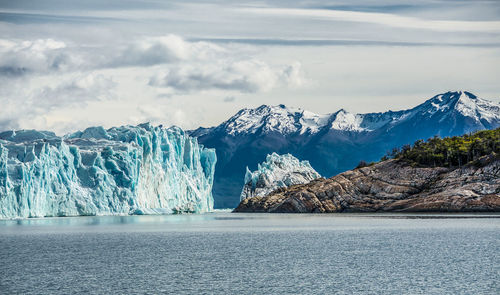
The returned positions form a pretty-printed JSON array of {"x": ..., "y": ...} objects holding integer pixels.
[{"x": 390, "y": 186}]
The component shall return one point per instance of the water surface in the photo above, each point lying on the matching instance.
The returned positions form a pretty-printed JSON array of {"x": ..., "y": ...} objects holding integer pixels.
[{"x": 236, "y": 253}]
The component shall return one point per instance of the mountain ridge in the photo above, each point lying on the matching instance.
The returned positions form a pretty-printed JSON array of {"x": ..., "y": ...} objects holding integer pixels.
[
  {"x": 334, "y": 142},
  {"x": 344, "y": 120}
]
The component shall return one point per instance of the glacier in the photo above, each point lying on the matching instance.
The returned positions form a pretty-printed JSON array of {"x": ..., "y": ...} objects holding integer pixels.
[
  {"x": 278, "y": 171},
  {"x": 139, "y": 169}
]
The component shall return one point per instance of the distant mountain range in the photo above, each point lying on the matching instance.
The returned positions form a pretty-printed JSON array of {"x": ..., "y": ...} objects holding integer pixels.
[{"x": 334, "y": 142}]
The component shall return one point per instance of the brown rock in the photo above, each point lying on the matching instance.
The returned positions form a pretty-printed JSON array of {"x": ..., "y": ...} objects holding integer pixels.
[{"x": 390, "y": 186}]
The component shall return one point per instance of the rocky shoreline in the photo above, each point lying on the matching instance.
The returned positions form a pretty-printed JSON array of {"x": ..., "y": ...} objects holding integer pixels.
[{"x": 390, "y": 186}]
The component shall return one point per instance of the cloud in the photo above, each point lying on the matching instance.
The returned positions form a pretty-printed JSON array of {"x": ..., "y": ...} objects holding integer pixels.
[
  {"x": 386, "y": 19},
  {"x": 293, "y": 76},
  {"x": 199, "y": 66},
  {"x": 189, "y": 66},
  {"x": 229, "y": 99},
  {"x": 44, "y": 56},
  {"x": 165, "y": 49},
  {"x": 248, "y": 76},
  {"x": 34, "y": 108},
  {"x": 77, "y": 91},
  {"x": 245, "y": 76},
  {"x": 35, "y": 56},
  {"x": 344, "y": 42}
]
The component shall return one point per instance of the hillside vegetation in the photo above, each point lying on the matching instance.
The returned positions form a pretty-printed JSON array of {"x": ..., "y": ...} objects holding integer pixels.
[{"x": 453, "y": 151}]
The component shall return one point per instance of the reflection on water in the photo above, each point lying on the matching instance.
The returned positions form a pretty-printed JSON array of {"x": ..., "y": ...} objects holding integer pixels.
[
  {"x": 224, "y": 220},
  {"x": 110, "y": 220}
]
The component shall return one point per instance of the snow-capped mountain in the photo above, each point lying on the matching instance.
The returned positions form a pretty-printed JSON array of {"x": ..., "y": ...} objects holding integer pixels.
[
  {"x": 267, "y": 119},
  {"x": 464, "y": 103},
  {"x": 475, "y": 113},
  {"x": 337, "y": 141},
  {"x": 287, "y": 120}
]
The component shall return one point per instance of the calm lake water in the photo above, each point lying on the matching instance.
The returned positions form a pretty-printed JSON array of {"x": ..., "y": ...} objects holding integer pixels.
[{"x": 229, "y": 253}]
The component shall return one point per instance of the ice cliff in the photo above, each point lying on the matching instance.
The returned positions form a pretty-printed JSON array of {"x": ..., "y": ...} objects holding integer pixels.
[
  {"x": 278, "y": 171},
  {"x": 123, "y": 170}
]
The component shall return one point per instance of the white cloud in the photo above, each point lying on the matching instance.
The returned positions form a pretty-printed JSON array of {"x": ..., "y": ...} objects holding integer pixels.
[
  {"x": 385, "y": 19},
  {"x": 189, "y": 66},
  {"x": 35, "y": 56},
  {"x": 42, "y": 56},
  {"x": 293, "y": 76},
  {"x": 31, "y": 108},
  {"x": 165, "y": 49},
  {"x": 248, "y": 76},
  {"x": 77, "y": 91},
  {"x": 198, "y": 66},
  {"x": 244, "y": 75}
]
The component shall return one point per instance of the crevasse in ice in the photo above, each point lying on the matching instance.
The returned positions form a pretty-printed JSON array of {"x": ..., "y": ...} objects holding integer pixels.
[
  {"x": 276, "y": 172},
  {"x": 123, "y": 170}
]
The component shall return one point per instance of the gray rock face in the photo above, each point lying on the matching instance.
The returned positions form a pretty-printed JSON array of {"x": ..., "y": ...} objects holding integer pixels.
[{"x": 390, "y": 186}]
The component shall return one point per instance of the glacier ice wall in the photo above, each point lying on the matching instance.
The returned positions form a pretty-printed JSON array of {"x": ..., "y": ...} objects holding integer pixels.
[
  {"x": 124, "y": 170},
  {"x": 276, "y": 172}
]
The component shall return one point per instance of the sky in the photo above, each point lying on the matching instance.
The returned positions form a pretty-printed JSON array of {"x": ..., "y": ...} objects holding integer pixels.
[{"x": 66, "y": 65}]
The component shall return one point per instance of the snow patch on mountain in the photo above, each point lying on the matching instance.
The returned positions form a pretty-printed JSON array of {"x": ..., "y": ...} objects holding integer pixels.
[
  {"x": 311, "y": 122},
  {"x": 346, "y": 121},
  {"x": 277, "y": 171},
  {"x": 471, "y": 106}
]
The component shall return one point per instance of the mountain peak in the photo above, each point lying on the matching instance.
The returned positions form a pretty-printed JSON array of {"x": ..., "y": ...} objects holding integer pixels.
[
  {"x": 269, "y": 109},
  {"x": 279, "y": 118},
  {"x": 251, "y": 120},
  {"x": 448, "y": 101},
  {"x": 460, "y": 103},
  {"x": 452, "y": 96}
]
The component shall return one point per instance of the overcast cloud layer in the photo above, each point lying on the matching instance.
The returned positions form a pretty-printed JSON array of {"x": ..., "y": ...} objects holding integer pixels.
[{"x": 66, "y": 65}]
